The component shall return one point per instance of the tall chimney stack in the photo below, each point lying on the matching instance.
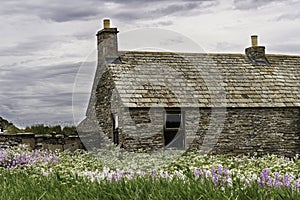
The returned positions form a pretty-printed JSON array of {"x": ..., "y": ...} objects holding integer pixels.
[
  {"x": 256, "y": 54},
  {"x": 107, "y": 43}
]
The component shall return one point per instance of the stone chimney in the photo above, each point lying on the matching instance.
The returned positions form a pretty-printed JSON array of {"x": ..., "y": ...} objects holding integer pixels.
[
  {"x": 255, "y": 53},
  {"x": 107, "y": 43}
]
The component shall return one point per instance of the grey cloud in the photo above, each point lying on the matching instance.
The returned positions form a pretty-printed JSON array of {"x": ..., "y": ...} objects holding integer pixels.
[
  {"x": 38, "y": 92},
  {"x": 289, "y": 16},
  {"x": 285, "y": 48},
  {"x": 91, "y": 9},
  {"x": 228, "y": 47},
  {"x": 70, "y": 13},
  {"x": 175, "y": 9},
  {"x": 39, "y": 72},
  {"x": 252, "y": 4},
  {"x": 31, "y": 46},
  {"x": 164, "y": 8},
  {"x": 23, "y": 49},
  {"x": 58, "y": 11},
  {"x": 165, "y": 23},
  {"x": 84, "y": 36},
  {"x": 171, "y": 41}
]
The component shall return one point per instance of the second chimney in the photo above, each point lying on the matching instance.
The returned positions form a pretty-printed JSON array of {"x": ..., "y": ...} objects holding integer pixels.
[{"x": 256, "y": 54}]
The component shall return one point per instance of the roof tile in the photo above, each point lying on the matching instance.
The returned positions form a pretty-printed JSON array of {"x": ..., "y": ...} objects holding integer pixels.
[{"x": 190, "y": 79}]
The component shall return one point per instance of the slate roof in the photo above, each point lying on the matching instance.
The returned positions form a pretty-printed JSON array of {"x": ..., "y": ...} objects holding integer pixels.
[{"x": 162, "y": 79}]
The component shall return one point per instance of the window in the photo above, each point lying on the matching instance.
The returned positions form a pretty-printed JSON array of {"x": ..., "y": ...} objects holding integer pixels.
[
  {"x": 174, "y": 129},
  {"x": 115, "y": 122},
  {"x": 173, "y": 121}
]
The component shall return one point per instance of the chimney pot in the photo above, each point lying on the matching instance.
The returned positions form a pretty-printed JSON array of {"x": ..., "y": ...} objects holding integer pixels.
[
  {"x": 254, "y": 40},
  {"x": 256, "y": 54},
  {"x": 106, "y": 23}
]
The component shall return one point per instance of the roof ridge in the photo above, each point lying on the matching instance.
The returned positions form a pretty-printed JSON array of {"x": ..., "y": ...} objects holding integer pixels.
[{"x": 199, "y": 53}]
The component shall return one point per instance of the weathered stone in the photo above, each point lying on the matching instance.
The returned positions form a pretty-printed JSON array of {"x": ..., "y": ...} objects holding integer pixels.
[{"x": 35, "y": 141}]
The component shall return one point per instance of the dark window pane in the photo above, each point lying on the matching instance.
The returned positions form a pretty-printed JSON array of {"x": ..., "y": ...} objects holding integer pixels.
[
  {"x": 169, "y": 136},
  {"x": 173, "y": 120}
]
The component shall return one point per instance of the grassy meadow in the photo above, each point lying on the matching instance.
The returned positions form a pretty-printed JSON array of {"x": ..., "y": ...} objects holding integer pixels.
[{"x": 113, "y": 174}]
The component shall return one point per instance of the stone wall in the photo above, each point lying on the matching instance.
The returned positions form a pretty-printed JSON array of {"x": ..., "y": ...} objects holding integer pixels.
[
  {"x": 244, "y": 131},
  {"x": 103, "y": 104},
  {"x": 46, "y": 141},
  {"x": 260, "y": 130},
  {"x": 142, "y": 128}
]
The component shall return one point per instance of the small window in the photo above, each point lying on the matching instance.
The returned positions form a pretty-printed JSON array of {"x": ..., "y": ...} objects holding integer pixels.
[
  {"x": 115, "y": 121},
  {"x": 115, "y": 124},
  {"x": 174, "y": 134},
  {"x": 173, "y": 120}
]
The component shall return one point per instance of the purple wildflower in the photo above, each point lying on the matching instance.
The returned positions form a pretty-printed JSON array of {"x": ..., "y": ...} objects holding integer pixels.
[
  {"x": 213, "y": 171},
  {"x": 164, "y": 174},
  {"x": 297, "y": 185},
  {"x": 154, "y": 173},
  {"x": 286, "y": 180},
  {"x": 215, "y": 179},
  {"x": 264, "y": 179},
  {"x": 114, "y": 177},
  {"x": 196, "y": 172},
  {"x": 220, "y": 170},
  {"x": 277, "y": 182},
  {"x": 225, "y": 171},
  {"x": 219, "y": 177}
]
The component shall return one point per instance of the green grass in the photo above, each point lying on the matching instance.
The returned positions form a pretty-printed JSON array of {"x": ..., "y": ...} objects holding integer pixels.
[
  {"x": 79, "y": 175},
  {"x": 21, "y": 185}
]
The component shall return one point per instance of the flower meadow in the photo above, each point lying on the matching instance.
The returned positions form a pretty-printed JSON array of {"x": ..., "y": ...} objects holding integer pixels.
[{"x": 117, "y": 174}]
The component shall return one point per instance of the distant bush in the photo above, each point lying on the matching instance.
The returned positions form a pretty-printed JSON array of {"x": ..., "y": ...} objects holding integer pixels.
[
  {"x": 69, "y": 130},
  {"x": 42, "y": 129},
  {"x": 12, "y": 129},
  {"x": 3, "y": 123}
]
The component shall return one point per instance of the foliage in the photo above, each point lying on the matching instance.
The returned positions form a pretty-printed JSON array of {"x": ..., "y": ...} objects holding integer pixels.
[
  {"x": 69, "y": 130},
  {"x": 12, "y": 129},
  {"x": 21, "y": 157},
  {"x": 21, "y": 185},
  {"x": 42, "y": 129},
  {"x": 116, "y": 158},
  {"x": 38, "y": 128},
  {"x": 43, "y": 174},
  {"x": 242, "y": 165},
  {"x": 4, "y": 123}
]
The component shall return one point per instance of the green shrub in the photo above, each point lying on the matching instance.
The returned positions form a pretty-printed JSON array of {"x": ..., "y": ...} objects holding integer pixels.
[{"x": 12, "y": 129}]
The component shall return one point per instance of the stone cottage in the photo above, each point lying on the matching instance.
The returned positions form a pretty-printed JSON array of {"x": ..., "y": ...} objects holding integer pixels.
[{"x": 220, "y": 103}]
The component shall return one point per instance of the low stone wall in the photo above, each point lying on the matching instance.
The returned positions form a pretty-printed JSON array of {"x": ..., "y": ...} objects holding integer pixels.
[{"x": 46, "y": 141}]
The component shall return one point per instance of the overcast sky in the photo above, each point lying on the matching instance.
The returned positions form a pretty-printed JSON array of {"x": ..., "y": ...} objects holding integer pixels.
[{"x": 44, "y": 43}]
